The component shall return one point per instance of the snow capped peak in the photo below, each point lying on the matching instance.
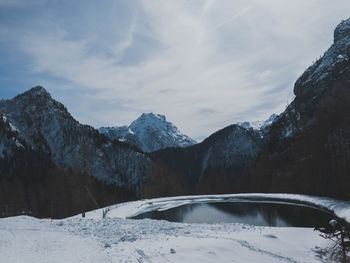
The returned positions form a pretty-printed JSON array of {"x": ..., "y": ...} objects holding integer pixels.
[
  {"x": 149, "y": 132},
  {"x": 150, "y": 120},
  {"x": 151, "y": 115},
  {"x": 342, "y": 30}
]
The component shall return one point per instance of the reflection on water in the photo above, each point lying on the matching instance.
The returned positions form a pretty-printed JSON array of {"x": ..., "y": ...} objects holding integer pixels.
[{"x": 258, "y": 214}]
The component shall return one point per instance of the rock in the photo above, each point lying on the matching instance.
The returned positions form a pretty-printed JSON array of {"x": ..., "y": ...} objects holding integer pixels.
[
  {"x": 342, "y": 30},
  {"x": 333, "y": 223}
]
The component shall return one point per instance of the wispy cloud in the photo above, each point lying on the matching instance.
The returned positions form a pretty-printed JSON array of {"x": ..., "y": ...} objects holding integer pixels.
[
  {"x": 226, "y": 21},
  {"x": 204, "y": 64}
]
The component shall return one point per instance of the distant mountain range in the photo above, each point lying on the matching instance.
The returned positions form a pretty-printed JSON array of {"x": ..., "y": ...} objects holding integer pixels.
[
  {"x": 48, "y": 159},
  {"x": 150, "y": 132}
]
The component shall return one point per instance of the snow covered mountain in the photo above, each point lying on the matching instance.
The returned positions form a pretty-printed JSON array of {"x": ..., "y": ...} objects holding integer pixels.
[
  {"x": 150, "y": 132},
  {"x": 47, "y": 127}
]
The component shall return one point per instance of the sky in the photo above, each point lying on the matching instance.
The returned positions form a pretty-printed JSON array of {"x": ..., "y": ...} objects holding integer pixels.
[{"x": 204, "y": 64}]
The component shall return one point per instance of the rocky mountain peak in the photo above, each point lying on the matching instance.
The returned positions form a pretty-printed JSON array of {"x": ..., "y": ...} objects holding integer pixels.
[
  {"x": 333, "y": 64},
  {"x": 342, "y": 30},
  {"x": 148, "y": 119},
  {"x": 37, "y": 91},
  {"x": 34, "y": 102},
  {"x": 150, "y": 132},
  {"x": 151, "y": 115}
]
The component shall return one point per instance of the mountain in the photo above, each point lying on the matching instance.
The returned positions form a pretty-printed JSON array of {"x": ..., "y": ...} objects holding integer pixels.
[
  {"x": 150, "y": 132},
  {"x": 47, "y": 127},
  {"x": 206, "y": 166},
  {"x": 308, "y": 150}
]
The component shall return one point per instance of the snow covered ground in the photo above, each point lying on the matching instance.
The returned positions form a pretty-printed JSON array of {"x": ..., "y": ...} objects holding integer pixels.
[
  {"x": 115, "y": 239},
  {"x": 26, "y": 239}
]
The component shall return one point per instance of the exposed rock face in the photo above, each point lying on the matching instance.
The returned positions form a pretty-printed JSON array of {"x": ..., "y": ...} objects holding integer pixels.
[
  {"x": 342, "y": 31},
  {"x": 9, "y": 139},
  {"x": 46, "y": 126},
  {"x": 150, "y": 132},
  {"x": 317, "y": 83},
  {"x": 329, "y": 67}
]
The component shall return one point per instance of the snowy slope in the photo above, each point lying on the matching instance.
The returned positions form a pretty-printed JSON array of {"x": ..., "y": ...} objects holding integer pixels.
[
  {"x": 29, "y": 240},
  {"x": 113, "y": 239},
  {"x": 150, "y": 132}
]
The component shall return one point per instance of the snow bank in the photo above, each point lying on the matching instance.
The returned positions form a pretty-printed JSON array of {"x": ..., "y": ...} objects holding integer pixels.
[
  {"x": 129, "y": 209},
  {"x": 30, "y": 240}
]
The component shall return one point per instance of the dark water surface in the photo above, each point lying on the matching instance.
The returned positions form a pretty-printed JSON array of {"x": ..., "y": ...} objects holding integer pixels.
[{"x": 253, "y": 213}]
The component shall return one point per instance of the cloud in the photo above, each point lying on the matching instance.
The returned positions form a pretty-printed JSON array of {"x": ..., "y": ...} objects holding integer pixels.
[{"x": 204, "y": 64}]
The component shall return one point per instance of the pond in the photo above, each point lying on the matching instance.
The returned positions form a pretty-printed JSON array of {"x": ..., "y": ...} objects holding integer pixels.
[{"x": 253, "y": 213}]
